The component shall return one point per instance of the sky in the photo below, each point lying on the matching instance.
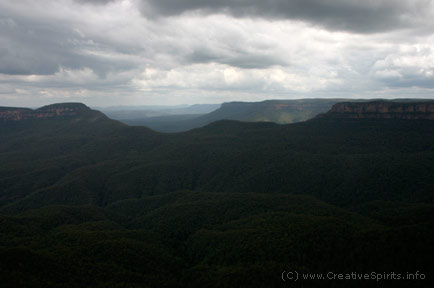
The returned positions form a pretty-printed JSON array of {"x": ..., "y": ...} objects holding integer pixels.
[{"x": 171, "y": 52}]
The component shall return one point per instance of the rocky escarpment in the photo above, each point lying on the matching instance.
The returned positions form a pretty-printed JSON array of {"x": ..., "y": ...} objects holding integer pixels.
[
  {"x": 62, "y": 110},
  {"x": 382, "y": 110}
]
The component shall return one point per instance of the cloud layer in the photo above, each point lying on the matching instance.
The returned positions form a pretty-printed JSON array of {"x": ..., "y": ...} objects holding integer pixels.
[
  {"x": 104, "y": 52},
  {"x": 347, "y": 15}
]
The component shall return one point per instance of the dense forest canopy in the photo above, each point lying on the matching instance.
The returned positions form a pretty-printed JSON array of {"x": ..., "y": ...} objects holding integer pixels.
[{"x": 87, "y": 201}]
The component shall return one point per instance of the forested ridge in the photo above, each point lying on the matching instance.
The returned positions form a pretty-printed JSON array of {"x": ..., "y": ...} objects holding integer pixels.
[{"x": 90, "y": 202}]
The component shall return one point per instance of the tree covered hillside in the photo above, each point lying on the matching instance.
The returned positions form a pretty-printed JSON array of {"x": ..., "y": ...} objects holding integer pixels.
[{"x": 89, "y": 202}]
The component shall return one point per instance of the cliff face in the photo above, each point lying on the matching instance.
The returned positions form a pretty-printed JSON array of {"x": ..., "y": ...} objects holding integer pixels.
[
  {"x": 278, "y": 111},
  {"x": 382, "y": 110},
  {"x": 63, "y": 110}
]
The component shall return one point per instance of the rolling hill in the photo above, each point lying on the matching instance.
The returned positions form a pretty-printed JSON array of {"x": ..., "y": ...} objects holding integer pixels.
[{"x": 87, "y": 201}]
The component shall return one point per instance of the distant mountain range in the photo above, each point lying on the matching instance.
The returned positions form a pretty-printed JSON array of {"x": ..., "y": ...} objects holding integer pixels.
[
  {"x": 276, "y": 111},
  {"x": 136, "y": 113}
]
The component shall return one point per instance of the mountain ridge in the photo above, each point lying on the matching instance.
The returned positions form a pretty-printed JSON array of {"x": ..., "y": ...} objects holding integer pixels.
[
  {"x": 382, "y": 110},
  {"x": 57, "y": 110},
  {"x": 277, "y": 111}
]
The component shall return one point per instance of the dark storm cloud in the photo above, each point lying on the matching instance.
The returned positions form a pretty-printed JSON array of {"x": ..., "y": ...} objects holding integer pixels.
[{"x": 348, "y": 15}]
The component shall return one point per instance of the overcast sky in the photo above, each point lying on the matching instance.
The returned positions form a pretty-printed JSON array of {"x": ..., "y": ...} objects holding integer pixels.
[{"x": 145, "y": 52}]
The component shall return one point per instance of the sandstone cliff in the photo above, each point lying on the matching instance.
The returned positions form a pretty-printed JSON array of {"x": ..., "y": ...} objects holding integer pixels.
[
  {"x": 62, "y": 110},
  {"x": 382, "y": 110}
]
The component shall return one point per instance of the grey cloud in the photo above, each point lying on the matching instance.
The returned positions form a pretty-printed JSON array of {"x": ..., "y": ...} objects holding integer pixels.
[
  {"x": 409, "y": 80},
  {"x": 38, "y": 48},
  {"x": 411, "y": 83},
  {"x": 84, "y": 49},
  {"x": 411, "y": 67},
  {"x": 98, "y": 2},
  {"x": 240, "y": 60},
  {"x": 348, "y": 15},
  {"x": 25, "y": 52}
]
